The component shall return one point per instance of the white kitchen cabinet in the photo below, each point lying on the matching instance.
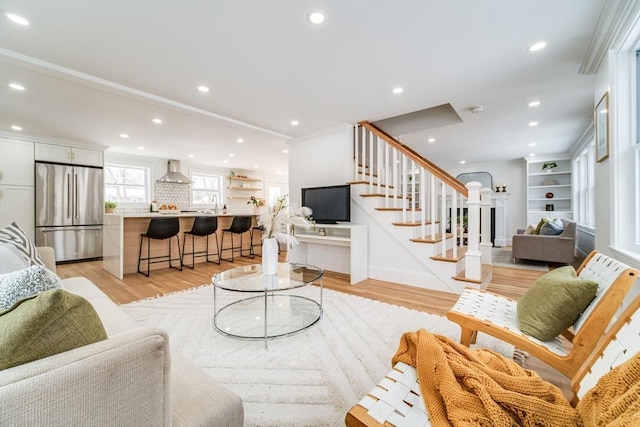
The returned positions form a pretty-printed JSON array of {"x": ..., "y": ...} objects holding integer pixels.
[
  {"x": 17, "y": 205},
  {"x": 71, "y": 155},
  {"x": 16, "y": 162}
]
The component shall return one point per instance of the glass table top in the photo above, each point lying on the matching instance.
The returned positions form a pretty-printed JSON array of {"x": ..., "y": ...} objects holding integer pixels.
[{"x": 249, "y": 278}]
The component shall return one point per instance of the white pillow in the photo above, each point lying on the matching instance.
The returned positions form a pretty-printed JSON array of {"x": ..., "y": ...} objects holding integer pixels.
[
  {"x": 10, "y": 262},
  {"x": 24, "y": 283},
  {"x": 14, "y": 239}
]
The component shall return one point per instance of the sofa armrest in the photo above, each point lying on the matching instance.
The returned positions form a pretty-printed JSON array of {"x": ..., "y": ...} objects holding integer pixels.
[
  {"x": 123, "y": 380},
  {"x": 48, "y": 256}
]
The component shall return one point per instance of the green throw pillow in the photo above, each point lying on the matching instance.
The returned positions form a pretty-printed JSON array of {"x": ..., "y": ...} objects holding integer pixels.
[
  {"x": 539, "y": 226},
  {"x": 51, "y": 322},
  {"x": 554, "y": 302}
]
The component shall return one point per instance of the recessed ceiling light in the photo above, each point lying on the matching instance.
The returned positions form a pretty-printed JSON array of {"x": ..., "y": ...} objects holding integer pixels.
[
  {"x": 231, "y": 155},
  {"x": 294, "y": 123},
  {"x": 157, "y": 121},
  {"x": 16, "y": 19},
  {"x": 532, "y": 124},
  {"x": 203, "y": 89},
  {"x": 316, "y": 17},
  {"x": 285, "y": 151},
  {"x": 397, "y": 90},
  {"x": 225, "y": 161},
  {"x": 536, "y": 46},
  {"x": 255, "y": 166},
  {"x": 191, "y": 156},
  {"x": 16, "y": 86},
  {"x": 462, "y": 162},
  {"x": 240, "y": 140},
  {"x": 532, "y": 144},
  {"x": 140, "y": 147},
  {"x": 534, "y": 103},
  {"x": 431, "y": 140},
  {"x": 16, "y": 127},
  {"x": 124, "y": 135}
]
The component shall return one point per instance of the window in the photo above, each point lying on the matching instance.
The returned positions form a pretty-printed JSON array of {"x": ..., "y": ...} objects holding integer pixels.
[
  {"x": 625, "y": 166},
  {"x": 584, "y": 180},
  {"x": 126, "y": 184},
  {"x": 206, "y": 189}
]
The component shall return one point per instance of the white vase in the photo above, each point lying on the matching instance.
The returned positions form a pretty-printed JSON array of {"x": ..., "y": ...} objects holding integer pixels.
[{"x": 269, "y": 256}]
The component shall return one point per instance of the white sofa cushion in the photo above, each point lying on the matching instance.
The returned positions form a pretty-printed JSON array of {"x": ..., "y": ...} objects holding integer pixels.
[{"x": 113, "y": 319}]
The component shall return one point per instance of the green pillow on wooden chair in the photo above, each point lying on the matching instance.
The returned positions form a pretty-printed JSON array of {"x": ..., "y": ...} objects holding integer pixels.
[{"x": 554, "y": 302}]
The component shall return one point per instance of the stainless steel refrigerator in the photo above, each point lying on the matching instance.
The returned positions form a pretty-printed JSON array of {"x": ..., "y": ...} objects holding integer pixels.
[{"x": 69, "y": 210}]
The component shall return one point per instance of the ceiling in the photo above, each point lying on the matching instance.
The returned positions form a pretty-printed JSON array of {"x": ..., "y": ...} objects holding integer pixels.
[{"x": 96, "y": 69}]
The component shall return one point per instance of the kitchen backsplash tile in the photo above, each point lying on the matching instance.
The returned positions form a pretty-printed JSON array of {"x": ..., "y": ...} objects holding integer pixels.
[{"x": 169, "y": 192}]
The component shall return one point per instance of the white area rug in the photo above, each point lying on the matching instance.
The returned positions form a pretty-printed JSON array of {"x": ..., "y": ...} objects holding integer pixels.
[
  {"x": 308, "y": 379},
  {"x": 504, "y": 258}
]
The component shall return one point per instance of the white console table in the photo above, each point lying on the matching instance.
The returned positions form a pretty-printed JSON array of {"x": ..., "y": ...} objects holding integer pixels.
[{"x": 343, "y": 248}]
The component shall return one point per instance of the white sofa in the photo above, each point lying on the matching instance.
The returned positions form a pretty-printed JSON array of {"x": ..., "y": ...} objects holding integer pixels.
[{"x": 130, "y": 379}]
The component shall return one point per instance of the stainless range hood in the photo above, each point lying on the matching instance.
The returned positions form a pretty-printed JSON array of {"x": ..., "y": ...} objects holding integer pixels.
[{"x": 173, "y": 174}]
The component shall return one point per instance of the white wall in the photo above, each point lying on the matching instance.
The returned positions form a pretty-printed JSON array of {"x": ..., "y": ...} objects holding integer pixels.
[
  {"x": 319, "y": 160},
  {"x": 513, "y": 174},
  {"x": 603, "y": 189}
]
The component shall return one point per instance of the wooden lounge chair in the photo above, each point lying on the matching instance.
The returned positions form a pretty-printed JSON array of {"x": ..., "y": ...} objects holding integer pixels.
[
  {"x": 481, "y": 311},
  {"x": 397, "y": 399}
]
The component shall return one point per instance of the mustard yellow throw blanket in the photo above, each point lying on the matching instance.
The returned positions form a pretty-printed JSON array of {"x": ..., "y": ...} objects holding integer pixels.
[{"x": 477, "y": 387}]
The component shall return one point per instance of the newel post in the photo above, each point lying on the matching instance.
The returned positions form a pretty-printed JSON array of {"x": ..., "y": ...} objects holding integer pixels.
[
  {"x": 473, "y": 256},
  {"x": 485, "y": 225}
]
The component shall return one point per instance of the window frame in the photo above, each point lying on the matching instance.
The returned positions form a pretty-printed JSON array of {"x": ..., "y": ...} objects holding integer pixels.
[
  {"x": 625, "y": 81},
  {"x": 146, "y": 187},
  {"x": 220, "y": 199}
]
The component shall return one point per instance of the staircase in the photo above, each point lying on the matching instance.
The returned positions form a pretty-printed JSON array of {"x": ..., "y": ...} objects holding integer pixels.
[{"x": 420, "y": 206}]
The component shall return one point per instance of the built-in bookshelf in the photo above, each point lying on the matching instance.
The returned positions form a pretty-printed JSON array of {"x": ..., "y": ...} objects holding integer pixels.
[{"x": 549, "y": 192}]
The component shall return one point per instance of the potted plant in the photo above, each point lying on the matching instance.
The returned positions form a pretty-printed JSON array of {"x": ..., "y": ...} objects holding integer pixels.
[
  {"x": 109, "y": 206},
  {"x": 257, "y": 203},
  {"x": 548, "y": 166}
]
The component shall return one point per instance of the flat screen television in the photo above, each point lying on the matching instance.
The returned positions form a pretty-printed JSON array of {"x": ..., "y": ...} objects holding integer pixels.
[{"x": 329, "y": 204}]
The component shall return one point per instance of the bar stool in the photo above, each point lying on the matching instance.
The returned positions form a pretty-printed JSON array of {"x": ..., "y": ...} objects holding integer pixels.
[
  {"x": 160, "y": 229},
  {"x": 239, "y": 225},
  {"x": 259, "y": 228},
  {"x": 259, "y": 244},
  {"x": 203, "y": 226}
]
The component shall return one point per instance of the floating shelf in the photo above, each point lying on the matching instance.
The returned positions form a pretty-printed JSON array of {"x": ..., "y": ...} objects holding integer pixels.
[
  {"x": 246, "y": 179},
  {"x": 244, "y": 188}
]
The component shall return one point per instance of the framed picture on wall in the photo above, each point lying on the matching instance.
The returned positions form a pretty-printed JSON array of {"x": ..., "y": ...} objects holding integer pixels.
[{"x": 602, "y": 128}]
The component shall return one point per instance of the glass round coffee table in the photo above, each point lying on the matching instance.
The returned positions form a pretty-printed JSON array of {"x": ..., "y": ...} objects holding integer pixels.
[{"x": 273, "y": 312}]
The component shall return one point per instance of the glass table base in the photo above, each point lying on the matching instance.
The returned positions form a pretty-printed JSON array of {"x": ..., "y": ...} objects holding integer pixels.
[{"x": 267, "y": 316}]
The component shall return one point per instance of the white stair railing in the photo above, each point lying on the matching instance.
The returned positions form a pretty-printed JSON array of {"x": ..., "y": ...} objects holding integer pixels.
[{"x": 425, "y": 194}]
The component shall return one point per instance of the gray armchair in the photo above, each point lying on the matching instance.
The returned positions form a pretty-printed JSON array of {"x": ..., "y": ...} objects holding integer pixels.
[{"x": 560, "y": 248}]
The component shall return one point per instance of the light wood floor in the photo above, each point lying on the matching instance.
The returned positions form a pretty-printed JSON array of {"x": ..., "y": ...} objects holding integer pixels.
[{"x": 510, "y": 282}]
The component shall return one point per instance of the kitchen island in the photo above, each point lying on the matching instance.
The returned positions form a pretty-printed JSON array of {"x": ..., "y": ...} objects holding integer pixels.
[{"x": 121, "y": 242}]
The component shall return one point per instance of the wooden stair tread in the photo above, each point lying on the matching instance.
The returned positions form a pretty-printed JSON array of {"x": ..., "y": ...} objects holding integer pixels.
[
  {"x": 448, "y": 256},
  {"x": 411, "y": 224},
  {"x": 398, "y": 210},
  {"x": 486, "y": 269},
  {"x": 367, "y": 183},
  {"x": 380, "y": 195},
  {"x": 438, "y": 238}
]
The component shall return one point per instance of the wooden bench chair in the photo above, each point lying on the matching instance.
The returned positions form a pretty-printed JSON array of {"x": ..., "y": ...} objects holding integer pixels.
[
  {"x": 397, "y": 399},
  {"x": 481, "y": 311}
]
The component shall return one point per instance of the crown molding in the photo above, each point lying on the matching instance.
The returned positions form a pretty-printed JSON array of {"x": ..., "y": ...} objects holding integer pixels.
[{"x": 616, "y": 20}]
